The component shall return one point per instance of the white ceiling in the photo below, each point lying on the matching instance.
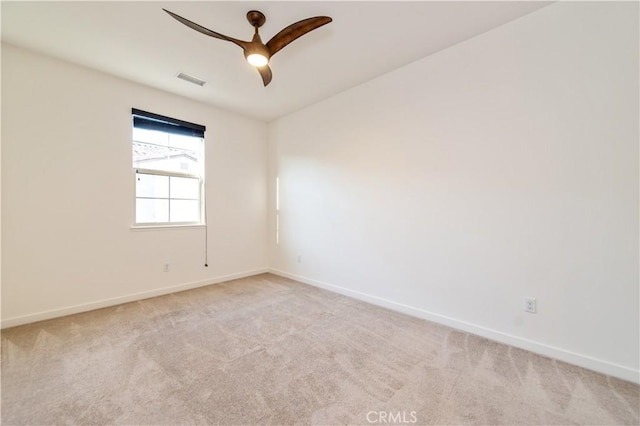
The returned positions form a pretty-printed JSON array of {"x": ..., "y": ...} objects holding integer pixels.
[{"x": 139, "y": 42}]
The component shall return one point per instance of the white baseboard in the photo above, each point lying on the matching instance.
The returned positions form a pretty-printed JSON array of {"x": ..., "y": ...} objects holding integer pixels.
[
  {"x": 55, "y": 313},
  {"x": 604, "y": 367}
]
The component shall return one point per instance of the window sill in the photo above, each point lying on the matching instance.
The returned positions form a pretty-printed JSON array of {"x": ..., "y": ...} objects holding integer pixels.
[{"x": 166, "y": 227}]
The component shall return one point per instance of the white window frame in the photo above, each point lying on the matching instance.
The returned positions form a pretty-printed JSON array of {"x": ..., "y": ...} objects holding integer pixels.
[
  {"x": 201, "y": 191},
  {"x": 200, "y": 178}
]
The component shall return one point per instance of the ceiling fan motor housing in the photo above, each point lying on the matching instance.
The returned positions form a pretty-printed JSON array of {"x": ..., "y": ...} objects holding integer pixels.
[
  {"x": 256, "y": 18},
  {"x": 257, "y": 49}
]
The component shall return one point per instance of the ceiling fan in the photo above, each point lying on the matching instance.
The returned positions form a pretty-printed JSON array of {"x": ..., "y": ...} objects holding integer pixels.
[{"x": 255, "y": 51}]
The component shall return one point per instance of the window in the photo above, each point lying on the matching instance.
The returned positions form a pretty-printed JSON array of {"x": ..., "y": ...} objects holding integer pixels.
[{"x": 168, "y": 166}]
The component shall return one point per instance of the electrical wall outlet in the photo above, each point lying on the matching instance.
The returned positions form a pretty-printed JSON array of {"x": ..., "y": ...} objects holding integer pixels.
[
  {"x": 530, "y": 305},
  {"x": 166, "y": 267}
]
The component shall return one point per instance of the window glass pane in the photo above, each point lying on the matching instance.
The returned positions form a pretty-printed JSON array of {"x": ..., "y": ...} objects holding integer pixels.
[
  {"x": 149, "y": 156},
  {"x": 185, "y": 188},
  {"x": 152, "y": 211},
  {"x": 152, "y": 186},
  {"x": 150, "y": 136},
  {"x": 188, "y": 143},
  {"x": 183, "y": 161},
  {"x": 156, "y": 157},
  {"x": 185, "y": 211}
]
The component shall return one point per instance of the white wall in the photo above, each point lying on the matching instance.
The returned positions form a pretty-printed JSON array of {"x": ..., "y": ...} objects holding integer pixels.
[
  {"x": 67, "y": 193},
  {"x": 500, "y": 168}
]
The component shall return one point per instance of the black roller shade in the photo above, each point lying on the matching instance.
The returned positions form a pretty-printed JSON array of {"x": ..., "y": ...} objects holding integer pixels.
[{"x": 150, "y": 121}]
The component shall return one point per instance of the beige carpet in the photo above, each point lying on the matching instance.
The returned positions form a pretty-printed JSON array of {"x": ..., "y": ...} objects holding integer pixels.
[{"x": 267, "y": 350}]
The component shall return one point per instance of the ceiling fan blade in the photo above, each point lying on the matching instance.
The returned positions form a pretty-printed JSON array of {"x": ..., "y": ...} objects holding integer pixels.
[
  {"x": 265, "y": 73},
  {"x": 294, "y": 31},
  {"x": 207, "y": 31}
]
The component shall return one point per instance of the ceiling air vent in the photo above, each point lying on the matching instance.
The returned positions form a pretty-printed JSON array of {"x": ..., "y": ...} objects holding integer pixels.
[{"x": 191, "y": 79}]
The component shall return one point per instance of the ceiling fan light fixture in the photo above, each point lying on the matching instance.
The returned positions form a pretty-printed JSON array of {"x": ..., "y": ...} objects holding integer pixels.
[{"x": 257, "y": 60}]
